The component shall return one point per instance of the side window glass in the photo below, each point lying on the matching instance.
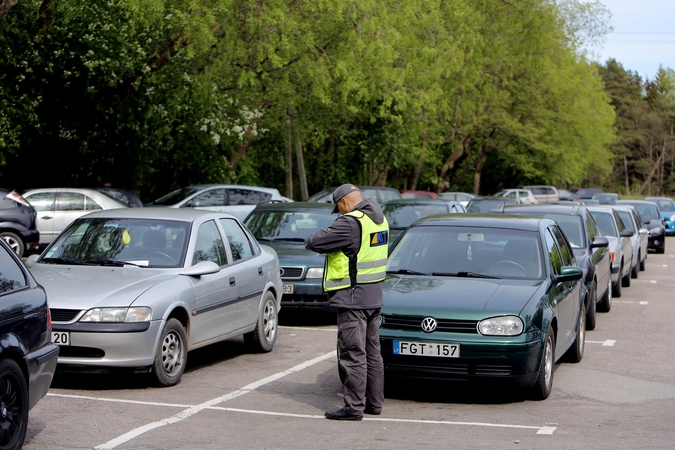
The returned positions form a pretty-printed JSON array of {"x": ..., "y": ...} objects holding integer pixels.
[
  {"x": 70, "y": 201},
  {"x": 11, "y": 275},
  {"x": 592, "y": 229},
  {"x": 42, "y": 201},
  {"x": 90, "y": 204},
  {"x": 209, "y": 246},
  {"x": 212, "y": 197},
  {"x": 247, "y": 197},
  {"x": 240, "y": 246},
  {"x": 619, "y": 223},
  {"x": 565, "y": 252},
  {"x": 626, "y": 219},
  {"x": 553, "y": 254},
  {"x": 638, "y": 219}
]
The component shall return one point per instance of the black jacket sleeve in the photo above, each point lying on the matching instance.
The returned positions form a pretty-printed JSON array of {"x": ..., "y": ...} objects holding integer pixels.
[{"x": 343, "y": 235}]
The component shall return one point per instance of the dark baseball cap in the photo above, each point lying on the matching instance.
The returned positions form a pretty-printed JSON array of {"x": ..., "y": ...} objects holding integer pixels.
[{"x": 341, "y": 192}]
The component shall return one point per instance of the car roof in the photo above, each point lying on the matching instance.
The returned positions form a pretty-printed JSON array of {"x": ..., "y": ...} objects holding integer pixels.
[
  {"x": 159, "y": 213},
  {"x": 295, "y": 206},
  {"x": 485, "y": 220},
  {"x": 93, "y": 193},
  {"x": 419, "y": 201},
  {"x": 233, "y": 186},
  {"x": 553, "y": 208}
]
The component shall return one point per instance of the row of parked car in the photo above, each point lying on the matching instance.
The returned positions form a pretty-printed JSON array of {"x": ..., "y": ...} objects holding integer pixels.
[{"x": 136, "y": 289}]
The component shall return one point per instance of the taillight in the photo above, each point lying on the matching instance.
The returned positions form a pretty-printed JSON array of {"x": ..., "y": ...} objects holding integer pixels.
[
  {"x": 17, "y": 198},
  {"x": 612, "y": 256},
  {"x": 49, "y": 319}
]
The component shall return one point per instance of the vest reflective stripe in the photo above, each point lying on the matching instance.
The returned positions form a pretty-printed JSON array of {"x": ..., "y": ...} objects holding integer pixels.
[{"x": 371, "y": 261}]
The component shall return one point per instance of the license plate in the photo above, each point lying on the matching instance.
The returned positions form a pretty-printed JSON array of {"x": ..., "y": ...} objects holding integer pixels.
[
  {"x": 288, "y": 288},
  {"x": 61, "y": 337},
  {"x": 426, "y": 349}
]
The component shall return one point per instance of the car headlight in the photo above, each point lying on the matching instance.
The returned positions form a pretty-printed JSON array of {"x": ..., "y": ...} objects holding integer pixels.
[
  {"x": 142, "y": 314},
  {"x": 654, "y": 231},
  {"x": 672, "y": 218},
  {"x": 314, "y": 272},
  {"x": 501, "y": 326}
]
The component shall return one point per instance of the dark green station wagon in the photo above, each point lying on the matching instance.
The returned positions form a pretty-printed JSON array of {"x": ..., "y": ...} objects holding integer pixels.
[{"x": 482, "y": 297}]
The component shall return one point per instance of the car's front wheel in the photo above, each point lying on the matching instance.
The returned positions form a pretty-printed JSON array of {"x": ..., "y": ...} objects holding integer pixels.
[
  {"x": 263, "y": 337},
  {"x": 13, "y": 405},
  {"x": 605, "y": 303},
  {"x": 542, "y": 387},
  {"x": 592, "y": 304},
  {"x": 616, "y": 287},
  {"x": 625, "y": 281},
  {"x": 635, "y": 271},
  {"x": 576, "y": 351},
  {"x": 171, "y": 354}
]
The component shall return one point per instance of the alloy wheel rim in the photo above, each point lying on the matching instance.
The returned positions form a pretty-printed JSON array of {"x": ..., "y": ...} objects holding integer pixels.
[
  {"x": 269, "y": 321},
  {"x": 548, "y": 361},
  {"x": 12, "y": 243},
  {"x": 171, "y": 353},
  {"x": 10, "y": 407}
]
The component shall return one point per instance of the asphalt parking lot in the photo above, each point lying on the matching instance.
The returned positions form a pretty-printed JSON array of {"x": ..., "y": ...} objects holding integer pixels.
[{"x": 621, "y": 395}]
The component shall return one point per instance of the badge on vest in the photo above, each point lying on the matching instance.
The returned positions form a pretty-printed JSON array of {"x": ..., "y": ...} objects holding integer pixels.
[{"x": 379, "y": 238}]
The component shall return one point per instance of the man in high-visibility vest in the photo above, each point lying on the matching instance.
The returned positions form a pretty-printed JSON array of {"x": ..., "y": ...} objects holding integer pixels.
[{"x": 356, "y": 246}]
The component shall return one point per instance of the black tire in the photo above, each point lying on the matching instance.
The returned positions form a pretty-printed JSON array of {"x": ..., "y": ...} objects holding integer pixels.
[
  {"x": 635, "y": 271},
  {"x": 625, "y": 281},
  {"x": 171, "y": 354},
  {"x": 14, "y": 401},
  {"x": 642, "y": 263},
  {"x": 576, "y": 352},
  {"x": 264, "y": 336},
  {"x": 605, "y": 304},
  {"x": 542, "y": 387},
  {"x": 14, "y": 242},
  {"x": 616, "y": 287},
  {"x": 662, "y": 249},
  {"x": 592, "y": 304}
]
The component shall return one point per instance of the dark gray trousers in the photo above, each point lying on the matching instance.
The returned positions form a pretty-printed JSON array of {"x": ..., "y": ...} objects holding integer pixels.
[{"x": 360, "y": 359}]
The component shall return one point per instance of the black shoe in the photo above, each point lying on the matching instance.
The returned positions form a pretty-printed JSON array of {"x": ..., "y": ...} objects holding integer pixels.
[
  {"x": 341, "y": 414},
  {"x": 372, "y": 411}
]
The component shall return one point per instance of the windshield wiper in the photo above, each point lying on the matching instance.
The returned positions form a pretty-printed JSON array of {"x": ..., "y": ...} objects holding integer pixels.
[
  {"x": 290, "y": 239},
  {"x": 113, "y": 262},
  {"x": 62, "y": 261},
  {"x": 463, "y": 275},
  {"x": 406, "y": 272}
]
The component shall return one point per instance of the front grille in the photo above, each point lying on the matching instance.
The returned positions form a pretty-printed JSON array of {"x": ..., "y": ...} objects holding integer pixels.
[
  {"x": 444, "y": 325},
  {"x": 291, "y": 272},
  {"x": 304, "y": 299},
  {"x": 80, "y": 352},
  {"x": 64, "y": 315},
  {"x": 493, "y": 369}
]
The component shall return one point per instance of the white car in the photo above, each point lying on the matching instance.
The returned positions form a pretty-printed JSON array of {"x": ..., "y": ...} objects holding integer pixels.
[
  {"x": 232, "y": 199},
  {"x": 620, "y": 246},
  {"x": 58, "y": 207},
  {"x": 633, "y": 222},
  {"x": 136, "y": 289},
  {"x": 526, "y": 197}
]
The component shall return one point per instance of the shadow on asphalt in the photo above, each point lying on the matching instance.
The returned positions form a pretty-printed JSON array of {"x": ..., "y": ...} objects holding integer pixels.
[{"x": 308, "y": 318}]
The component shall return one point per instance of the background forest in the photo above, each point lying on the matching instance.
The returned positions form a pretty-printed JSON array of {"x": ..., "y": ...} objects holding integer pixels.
[{"x": 470, "y": 95}]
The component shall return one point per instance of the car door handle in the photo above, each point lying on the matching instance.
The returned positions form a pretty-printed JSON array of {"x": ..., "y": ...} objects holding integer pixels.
[
  {"x": 46, "y": 217},
  {"x": 232, "y": 281},
  {"x": 260, "y": 271}
]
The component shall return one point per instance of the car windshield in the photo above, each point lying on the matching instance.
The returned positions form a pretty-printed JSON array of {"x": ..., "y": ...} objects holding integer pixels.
[
  {"x": 572, "y": 226},
  {"x": 605, "y": 223},
  {"x": 140, "y": 242},
  {"x": 665, "y": 204},
  {"x": 401, "y": 215},
  {"x": 468, "y": 252},
  {"x": 647, "y": 212},
  {"x": 176, "y": 196},
  {"x": 288, "y": 225},
  {"x": 485, "y": 205}
]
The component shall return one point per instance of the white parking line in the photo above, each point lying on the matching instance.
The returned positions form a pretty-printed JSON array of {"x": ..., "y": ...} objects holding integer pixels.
[
  {"x": 643, "y": 302},
  {"x": 307, "y": 328},
  {"x": 192, "y": 410},
  {"x": 607, "y": 343},
  {"x": 540, "y": 430}
]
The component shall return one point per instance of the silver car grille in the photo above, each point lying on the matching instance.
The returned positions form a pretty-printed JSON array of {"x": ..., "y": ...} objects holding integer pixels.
[{"x": 292, "y": 272}]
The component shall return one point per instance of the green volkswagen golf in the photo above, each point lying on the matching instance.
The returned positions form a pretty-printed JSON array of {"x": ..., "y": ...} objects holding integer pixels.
[
  {"x": 284, "y": 227},
  {"x": 482, "y": 297}
]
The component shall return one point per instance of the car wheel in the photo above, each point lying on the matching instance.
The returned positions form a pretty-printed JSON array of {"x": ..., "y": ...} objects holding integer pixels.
[
  {"x": 576, "y": 351},
  {"x": 642, "y": 263},
  {"x": 542, "y": 387},
  {"x": 171, "y": 354},
  {"x": 662, "y": 249},
  {"x": 590, "y": 311},
  {"x": 625, "y": 281},
  {"x": 14, "y": 404},
  {"x": 635, "y": 271},
  {"x": 264, "y": 336},
  {"x": 605, "y": 303},
  {"x": 14, "y": 242}
]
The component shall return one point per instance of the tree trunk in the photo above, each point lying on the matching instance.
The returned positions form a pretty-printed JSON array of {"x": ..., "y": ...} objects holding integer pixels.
[
  {"x": 5, "y": 6},
  {"x": 416, "y": 175},
  {"x": 476, "y": 175},
  {"x": 289, "y": 158},
  {"x": 625, "y": 169},
  {"x": 301, "y": 169}
]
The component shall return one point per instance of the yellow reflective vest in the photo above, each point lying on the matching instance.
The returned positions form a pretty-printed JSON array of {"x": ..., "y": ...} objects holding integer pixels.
[{"x": 371, "y": 260}]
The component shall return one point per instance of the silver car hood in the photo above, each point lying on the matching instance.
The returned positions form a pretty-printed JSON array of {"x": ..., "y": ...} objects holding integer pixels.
[{"x": 84, "y": 287}]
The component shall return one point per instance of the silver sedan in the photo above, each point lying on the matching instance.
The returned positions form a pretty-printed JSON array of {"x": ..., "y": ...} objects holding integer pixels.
[{"x": 138, "y": 288}]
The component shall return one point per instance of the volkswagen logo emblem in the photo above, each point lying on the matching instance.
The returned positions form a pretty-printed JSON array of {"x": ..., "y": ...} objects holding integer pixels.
[
  {"x": 281, "y": 271},
  {"x": 429, "y": 324}
]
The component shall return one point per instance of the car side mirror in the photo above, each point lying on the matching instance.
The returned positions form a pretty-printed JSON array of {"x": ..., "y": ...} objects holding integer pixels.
[
  {"x": 599, "y": 242},
  {"x": 31, "y": 260},
  {"x": 569, "y": 273},
  {"x": 202, "y": 268},
  {"x": 644, "y": 231},
  {"x": 626, "y": 233}
]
